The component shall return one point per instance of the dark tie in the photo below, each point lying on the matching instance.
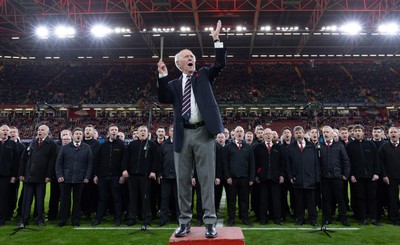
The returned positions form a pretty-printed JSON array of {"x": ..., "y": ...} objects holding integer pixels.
[
  {"x": 160, "y": 142},
  {"x": 394, "y": 145},
  {"x": 301, "y": 146},
  {"x": 2, "y": 141},
  {"x": 269, "y": 147},
  {"x": 239, "y": 145},
  {"x": 328, "y": 144},
  {"x": 40, "y": 141},
  {"x": 186, "y": 99}
]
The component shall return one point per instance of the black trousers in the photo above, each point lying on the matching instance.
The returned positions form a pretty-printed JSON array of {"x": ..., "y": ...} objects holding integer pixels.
[
  {"x": 107, "y": 185},
  {"x": 270, "y": 193},
  {"x": 218, "y": 189},
  {"x": 90, "y": 198},
  {"x": 255, "y": 199},
  {"x": 332, "y": 192},
  {"x": 382, "y": 198},
  {"x": 168, "y": 195},
  {"x": 65, "y": 204},
  {"x": 39, "y": 191},
  {"x": 239, "y": 188},
  {"x": 12, "y": 198},
  {"x": 4, "y": 193},
  {"x": 139, "y": 191},
  {"x": 54, "y": 199},
  {"x": 305, "y": 198},
  {"x": 394, "y": 199},
  {"x": 365, "y": 190},
  {"x": 155, "y": 197},
  {"x": 287, "y": 205}
]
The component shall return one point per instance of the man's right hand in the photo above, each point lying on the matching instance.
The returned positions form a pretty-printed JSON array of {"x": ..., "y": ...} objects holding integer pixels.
[
  {"x": 95, "y": 180},
  {"x": 162, "y": 68}
]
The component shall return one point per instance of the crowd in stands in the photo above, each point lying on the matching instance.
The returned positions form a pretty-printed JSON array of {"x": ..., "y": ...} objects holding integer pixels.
[{"x": 363, "y": 83}]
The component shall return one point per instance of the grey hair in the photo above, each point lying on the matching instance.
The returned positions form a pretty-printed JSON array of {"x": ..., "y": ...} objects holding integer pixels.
[{"x": 177, "y": 56}]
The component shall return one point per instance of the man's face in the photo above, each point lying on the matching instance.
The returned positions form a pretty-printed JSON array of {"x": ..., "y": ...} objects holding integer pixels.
[
  {"x": 287, "y": 134},
  {"x": 171, "y": 132},
  {"x": 66, "y": 139},
  {"x": 268, "y": 135},
  {"x": 221, "y": 138},
  {"x": 314, "y": 134},
  {"x": 335, "y": 137},
  {"x": 113, "y": 132},
  {"x": 275, "y": 136},
  {"x": 135, "y": 135},
  {"x": 77, "y": 136},
  {"x": 328, "y": 134},
  {"x": 226, "y": 132},
  {"x": 160, "y": 133},
  {"x": 89, "y": 132},
  {"x": 4, "y": 131},
  {"x": 377, "y": 134},
  {"x": 299, "y": 135},
  {"x": 142, "y": 133},
  {"x": 65, "y": 132},
  {"x": 358, "y": 133},
  {"x": 394, "y": 134},
  {"x": 249, "y": 137},
  {"x": 42, "y": 132},
  {"x": 344, "y": 135},
  {"x": 186, "y": 61},
  {"x": 260, "y": 133},
  {"x": 239, "y": 133},
  {"x": 14, "y": 134}
]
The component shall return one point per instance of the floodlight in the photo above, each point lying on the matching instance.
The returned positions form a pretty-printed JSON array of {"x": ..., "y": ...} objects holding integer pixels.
[
  {"x": 389, "y": 28},
  {"x": 42, "y": 32},
  {"x": 63, "y": 32},
  {"x": 351, "y": 28},
  {"x": 100, "y": 31}
]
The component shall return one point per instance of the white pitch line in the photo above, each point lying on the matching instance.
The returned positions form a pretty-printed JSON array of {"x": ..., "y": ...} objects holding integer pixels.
[
  {"x": 294, "y": 229},
  {"x": 246, "y": 229}
]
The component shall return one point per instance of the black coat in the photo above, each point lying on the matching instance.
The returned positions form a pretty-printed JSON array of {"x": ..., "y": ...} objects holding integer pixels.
[
  {"x": 364, "y": 159},
  {"x": 108, "y": 159},
  {"x": 141, "y": 159},
  {"x": 167, "y": 160},
  {"x": 269, "y": 165},
  {"x": 303, "y": 166},
  {"x": 390, "y": 160},
  {"x": 74, "y": 163},
  {"x": 38, "y": 163},
  {"x": 334, "y": 161},
  {"x": 238, "y": 163},
  {"x": 9, "y": 159},
  {"x": 219, "y": 161}
]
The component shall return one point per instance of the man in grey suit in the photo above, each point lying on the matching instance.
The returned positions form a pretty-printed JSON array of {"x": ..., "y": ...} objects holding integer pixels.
[{"x": 197, "y": 120}]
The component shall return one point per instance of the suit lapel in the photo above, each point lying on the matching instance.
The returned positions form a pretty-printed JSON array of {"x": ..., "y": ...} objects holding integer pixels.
[{"x": 178, "y": 88}]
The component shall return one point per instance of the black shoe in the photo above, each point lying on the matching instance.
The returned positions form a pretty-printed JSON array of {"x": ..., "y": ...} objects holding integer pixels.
[
  {"x": 131, "y": 222},
  {"x": 345, "y": 223},
  {"x": 117, "y": 222},
  {"x": 247, "y": 222},
  {"x": 263, "y": 222},
  {"x": 60, "y": 224},
  {"x": 278, "y": 222},
  {"x": 375, "y": 222},
  {"x": 313, "y": 223},
  {"x": 363, "y": 222},
  {"x": 396, "y": 223},
  {"x": 199, "y": 222},
  {"x": 21, "y": 225},
  {"x": 230, "y": 223},
  {"x": 162, "y": 223},
  {"x": 327, "y": 222},
  {"x": 75, "y": 224},
  {"x": 96, "y": 222},
  {"x": 182, "y": 230},
  {"x": 211, "y": 231},
  {"x": 40, "y": 224}
]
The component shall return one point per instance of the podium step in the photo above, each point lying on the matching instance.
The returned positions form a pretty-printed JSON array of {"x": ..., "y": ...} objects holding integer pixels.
[{"x": 226, "y": 236}]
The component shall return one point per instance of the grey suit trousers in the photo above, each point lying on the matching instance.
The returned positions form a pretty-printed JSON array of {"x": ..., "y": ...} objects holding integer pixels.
[{"x": 198, "y": 151}]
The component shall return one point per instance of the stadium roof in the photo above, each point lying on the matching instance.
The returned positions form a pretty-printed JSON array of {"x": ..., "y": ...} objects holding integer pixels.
[{"x": 307, "y": 18}]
